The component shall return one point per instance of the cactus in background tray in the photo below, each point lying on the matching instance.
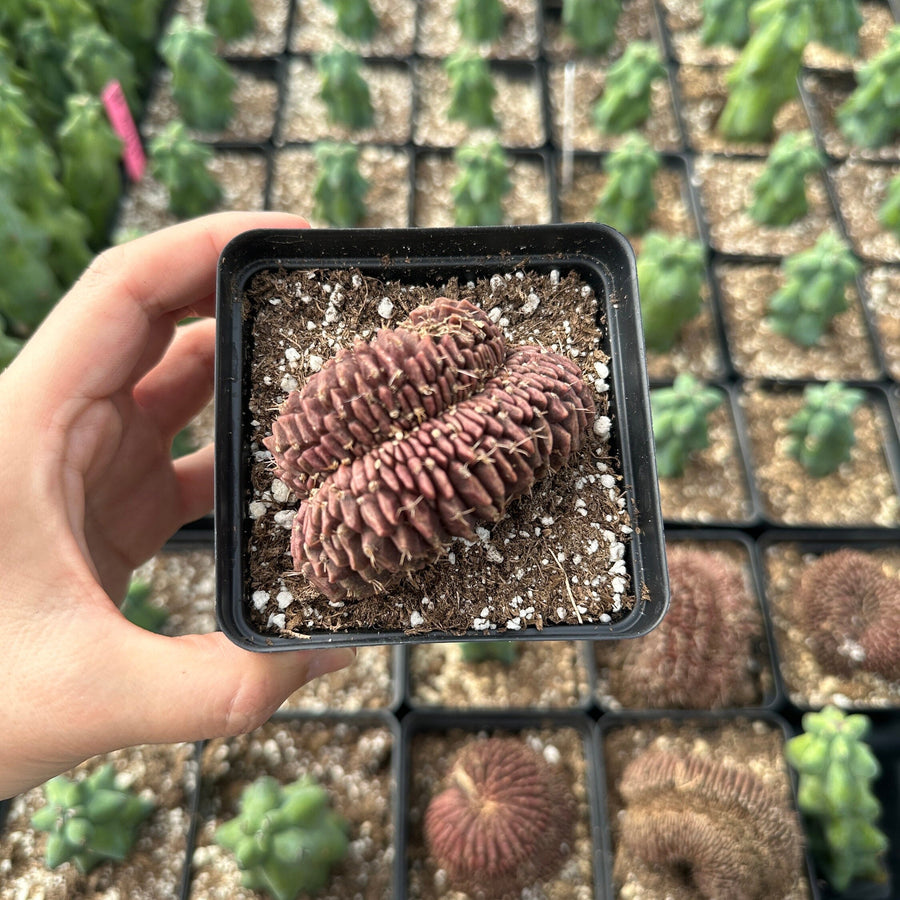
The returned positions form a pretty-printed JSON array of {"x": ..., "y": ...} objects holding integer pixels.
[
  {"x": 343, "y": 89},
  {"x": 472, "y": 89},
  {"x": 837, "y": 24},
  {"x": 837, "y": 769},
  {"x": 91, "y": 820},
  {"x": 591, "y": 24},
  {"x": 726, "y": 22},
  {"x": 202, "y": 84},
  {"x": 779, "y": 194},
  {"x": 482, "y": 651},
  {"x": 230, "y": 19},
  {"x": 134, "y": 25},
  {"x": 95, "y": 58},
  {"x": 285, "y": 839},
  {"x": 137, "y": 608},
  {"x": 340, "y": 190},
  {"x": 680, "y": 422},
  {"x": 889, "y": 211},
  {"x": 627, "y": 199},
  {"x": 670, "y": 271},
  {"x": 870, "y": 116},
  {"x": 355, "y": 18},
  {"x": 480, "y": 21},
  {"x": 181, "y": 164},
  {"x": 814, "y": 291},
  {"x": 482, "y": 183},
  {"x": 821, "y": 433},
  {"x": 625, "y": 102}
]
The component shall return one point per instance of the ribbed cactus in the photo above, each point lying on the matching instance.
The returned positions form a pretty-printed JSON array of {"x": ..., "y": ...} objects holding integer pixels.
[
  {"x": 483, "y": 651},
  {"x": 472, "y": 89},
  {"x": 91, "y": 820},
  {"x": 837, "y": 769},
  {"x": 670, "y": 271},
  {"x": 779, "y": 194},
  {"x": 481, "y": 183},
  {"x": 625, "y": 102},
  {"x": 181, "y": 164},
  {"x": 815, "y": 290},
  {"x": 870, "y": 116},
  {"x": 95, "y": 58},
  {"x": 591, "y": 24},
  {"x": 628, "y": 199},
  {"x": 480, "y": 21},
  {"x": 285, "y": 839},
  {"x": 230, "y": 19},
  {"x": 820, "y": 435},
  {"x": 355, "y": 18},
  {"x": 340, "y": 190},
  {"x": 343, "y": 89},
  {"x": 889, "y": 211},
  {"x": 399, "y": 445},
  {"x": 726, "y": 22},
  {"x": 680, "y": 428},
  {"x": 202, "y": 83},
  {"x": 137, "y": 608}
]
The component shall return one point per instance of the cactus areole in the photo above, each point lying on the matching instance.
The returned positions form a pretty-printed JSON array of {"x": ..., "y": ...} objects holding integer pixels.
[{"x": 403, "y": 443}]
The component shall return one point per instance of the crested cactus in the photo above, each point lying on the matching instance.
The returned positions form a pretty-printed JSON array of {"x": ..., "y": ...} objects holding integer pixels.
[
  {"x": 95, "y": 58},
  {"x": 820, "y": 435},
  {"x": 870, "y": 116},
  {"x": 680, "y": 426},
  {"x": 355, "y": 18},
  {"x": 230, "y": 19},
  {"x": 481, "y": 184},
  {"x": 779, "y": 194},
  {"x": 627, "y": 199},
  {"x": 343, "y": 89},
  {"x": 285, "y": 839},
  {"x": 625, "y": 101},
  {"x": 202, "y": 84},
  {"x": 181, "y": 164},
  {"x": 91, "y": 820},
  {"x": 850, "y": 610},
  {"x": 670, "y": 273},
  {"x": 815, "y": 290},
  {"x": 837, "y": 769},
  {"x": 503, "y": 820},
  {"x": 472, "y": 89},
  {"x": 715, "y": 825},
  {"x": 726, "y": 22},
  {"x": 137, "y": 608},
  {"x": 480, "y": 21},
  {"x": 591, "y": 24},
  {"x": 483, "y": 651},
  {"x": 889, "y": 211},
  {"x": 398, "y": 445},
  {"x": 693, "y": 658},
  {"x": 339, "y": 191}
]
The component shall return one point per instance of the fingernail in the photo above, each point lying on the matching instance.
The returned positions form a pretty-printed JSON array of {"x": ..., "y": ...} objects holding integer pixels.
[{"x": 331, "y": 660}]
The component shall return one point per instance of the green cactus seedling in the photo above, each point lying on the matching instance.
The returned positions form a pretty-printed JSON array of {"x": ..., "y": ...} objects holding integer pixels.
[
  {"x": 472, "y": 89},
  {"x": 230, "y": 19},
  {"x": 343, "y": 89},
  {"x": 91, "y": 820},
  {"x": 285, "y": 839},
  {"x": 820, "y": 435},
  {"x": 355, "y": 18},
  {"x": 726, "y": 22},
  {"x": 625, "y": 102},
  {"x": 779, "y": 194},
  {"x": 870, "y": 116},
  {"x": 181, "y": 164},
  {"x": 481, "y": 184},
  {"x": 837, "y": 24},
  {"x": 340, "y": 189},
  {"x": 680, "y": 422},
  {"x": 482, "y": 651},
  {"x": 591, "y": 24},
  {"x": 480, "y": 21},
  {"x": 837, "y": 768},
  {"x": 135, "y": 26},
  {"x": 889, "y": 211},
  {"x": 670, "y": 272},
  {"x": 137, "y": 608},
  {"x": 814, "y": 291},
  {"x": 202, "y": 83},
  {"x": 627, "y": 199},
  {"x": 95, "y": 58},
  {"x": 9, "y": 347}
]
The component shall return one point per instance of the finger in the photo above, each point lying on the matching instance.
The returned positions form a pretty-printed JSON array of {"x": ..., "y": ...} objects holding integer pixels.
[
  {"x": 196, "y": 486},
  {"x": 181, "y": 385}
]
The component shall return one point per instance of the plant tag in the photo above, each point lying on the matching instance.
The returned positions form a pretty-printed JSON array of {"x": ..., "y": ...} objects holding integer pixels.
[{"x": 120, "y": 118}]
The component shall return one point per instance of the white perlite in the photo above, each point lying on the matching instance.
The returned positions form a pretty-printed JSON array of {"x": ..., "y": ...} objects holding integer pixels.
[
  {"x": 260, "y": 599},
  {"x": 385, "y": 308},
  {"x": 416, "y": 619}
]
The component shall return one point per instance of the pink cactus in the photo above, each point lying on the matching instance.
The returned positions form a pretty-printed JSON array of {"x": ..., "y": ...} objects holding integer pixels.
[{"x": 400, "y": 444}]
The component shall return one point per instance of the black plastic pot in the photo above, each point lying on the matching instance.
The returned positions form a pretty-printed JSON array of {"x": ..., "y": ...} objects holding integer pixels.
[{"x": 602, "y": 258}]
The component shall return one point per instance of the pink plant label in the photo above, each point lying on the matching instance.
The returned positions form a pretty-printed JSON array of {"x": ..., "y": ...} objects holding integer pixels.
[{"x": 123, "y": 124}]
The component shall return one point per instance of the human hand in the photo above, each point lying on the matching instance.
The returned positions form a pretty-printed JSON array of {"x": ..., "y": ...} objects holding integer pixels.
[{"x": 88, "y": 491}]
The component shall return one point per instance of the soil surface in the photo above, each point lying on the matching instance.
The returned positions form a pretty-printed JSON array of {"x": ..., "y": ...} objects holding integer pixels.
[
  {"x": 269, "y": 35},
  {"x": 882, "y": 287}
]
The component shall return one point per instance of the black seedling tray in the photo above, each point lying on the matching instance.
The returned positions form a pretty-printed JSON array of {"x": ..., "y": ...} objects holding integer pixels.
[{"x": 602, "y": 258}]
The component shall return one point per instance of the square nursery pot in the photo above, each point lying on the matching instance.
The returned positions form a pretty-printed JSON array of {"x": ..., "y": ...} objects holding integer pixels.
[{"x": 288, "y": 300}]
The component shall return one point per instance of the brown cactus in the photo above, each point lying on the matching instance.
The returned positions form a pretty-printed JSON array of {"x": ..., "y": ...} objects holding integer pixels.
[
  {"x": 851, "y": 611},
  {"x": 696, "y": 658},
  {"x": 715, "y": 827},
  {"x": 399, "y": 445},
  {"x": 503, "y": 821}
]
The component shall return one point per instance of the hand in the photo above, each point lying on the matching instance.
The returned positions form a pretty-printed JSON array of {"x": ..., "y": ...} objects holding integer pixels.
[{"x": 88, "y": 491}]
